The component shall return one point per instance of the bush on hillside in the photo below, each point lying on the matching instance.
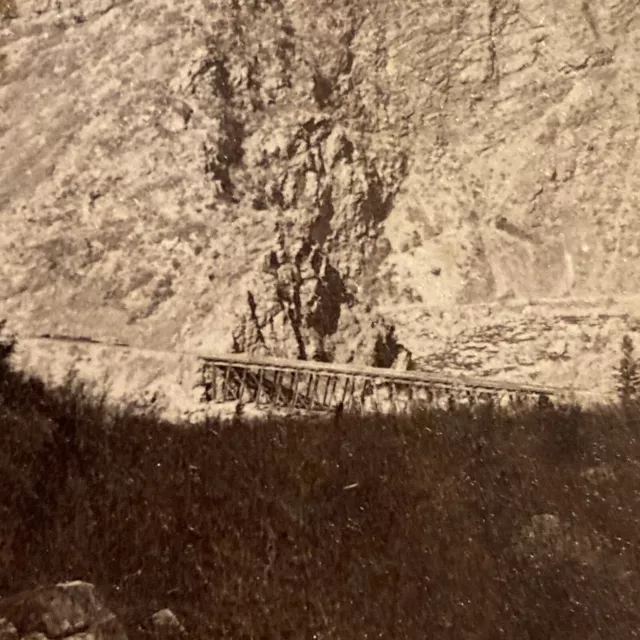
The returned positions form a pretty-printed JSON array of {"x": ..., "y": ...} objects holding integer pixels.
[{"x": 627, "y": 375}]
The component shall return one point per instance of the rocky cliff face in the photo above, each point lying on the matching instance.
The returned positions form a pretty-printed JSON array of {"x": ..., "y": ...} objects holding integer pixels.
[{"x": 257, "y": 174}]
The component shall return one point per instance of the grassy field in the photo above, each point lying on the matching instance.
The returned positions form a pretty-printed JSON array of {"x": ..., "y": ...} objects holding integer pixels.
[{"x": 441, "y": 525}]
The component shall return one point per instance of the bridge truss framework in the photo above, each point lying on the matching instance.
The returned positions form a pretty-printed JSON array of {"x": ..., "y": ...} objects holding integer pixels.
[{"x": 318, "y": 386}]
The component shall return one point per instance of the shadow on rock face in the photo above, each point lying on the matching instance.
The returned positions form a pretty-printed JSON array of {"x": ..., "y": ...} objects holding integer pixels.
[{"x": 331, "y": 293}]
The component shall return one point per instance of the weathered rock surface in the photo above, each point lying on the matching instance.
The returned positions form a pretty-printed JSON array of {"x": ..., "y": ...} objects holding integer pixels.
[
  {"x": 70, "y": 610},
  {"x": 567, "y": 344},
  {"x": 7, "y": 630},
  {"x": 319, "y": 156},
  {"x": 166, "y": 623}
]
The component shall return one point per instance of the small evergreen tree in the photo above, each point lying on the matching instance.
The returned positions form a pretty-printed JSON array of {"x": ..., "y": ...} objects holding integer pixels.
[{"x": 627, "y": 374}]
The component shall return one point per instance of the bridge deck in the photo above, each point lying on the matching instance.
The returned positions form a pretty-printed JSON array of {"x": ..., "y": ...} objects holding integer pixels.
[{"x": 397, "y": 375}]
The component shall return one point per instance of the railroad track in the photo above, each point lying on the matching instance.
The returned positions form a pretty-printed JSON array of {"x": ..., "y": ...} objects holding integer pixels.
[{"x": 316, "y": 386}]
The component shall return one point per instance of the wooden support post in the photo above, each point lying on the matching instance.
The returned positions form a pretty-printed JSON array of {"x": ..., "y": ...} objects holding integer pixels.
[
  {"x": 362, "y": 394},
  {"x": 410, "y": 395},
  {"x": 283, "y": 387},
  {"x": 230, "y": 383},
  {"x": 349, "y": 400},
  {"x": 282, "y": 396},
  {"x": 346, "y": 388},
  {"x": 225, "y": 382},
  {"x": 287, "y": 394},
  {"x": 374, "y": 394},
  {"x": 369, "y": 397},
  {"x": 253, "y": 381},
  {"x": 243, "y": 384},
  {"x": 350, "y": 392},
  {"x": 276, "y": 388},
  {"x": 404, "y": 396},
  {"x": 334, "y": 384},
  {"x": 314, "y": 395},
  {"x": 425, "y": 396},
  {"x": 238, "y": 383},
  {"x": 214, "y": 383},
  {"x": 308, "y": 393},
  {"x": 352, "y": 395},
  {"x": 259, "y": 388},
  {"x": 327, "y": 381},
  {"x": 293, "y": 381},
  {"x": 267, "y": 385},
  {"x": 451, "y": 402},
  {"x": 204, "y": 383},
  {"x": 296, "y": 381},
  {"x": 430, "y": 396}
]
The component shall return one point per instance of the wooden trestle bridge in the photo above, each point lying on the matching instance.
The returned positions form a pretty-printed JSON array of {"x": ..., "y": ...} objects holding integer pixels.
[
  {"x": 308, "y": 385},
  {"x": 317, "y": 386}
]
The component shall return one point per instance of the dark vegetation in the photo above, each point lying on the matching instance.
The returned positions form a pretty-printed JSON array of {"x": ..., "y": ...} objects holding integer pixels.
[
  {"x": 431, "y": 525},
  {"x": 8, "y": 11},
  {"x": 627, "y": 375}
]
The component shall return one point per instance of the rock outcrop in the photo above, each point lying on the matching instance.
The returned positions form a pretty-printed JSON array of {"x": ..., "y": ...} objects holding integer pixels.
[
  {"x": 166, "y": 624},
  {"x": 69, "y": 611},
  {"x": 300, "y": 307}
]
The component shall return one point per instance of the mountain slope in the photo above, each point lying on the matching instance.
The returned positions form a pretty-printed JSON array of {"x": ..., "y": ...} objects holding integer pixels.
[{"x": 200, "y": 172}]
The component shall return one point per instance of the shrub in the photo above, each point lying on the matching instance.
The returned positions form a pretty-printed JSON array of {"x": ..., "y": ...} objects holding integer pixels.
[{"x": 627, "y": 375}]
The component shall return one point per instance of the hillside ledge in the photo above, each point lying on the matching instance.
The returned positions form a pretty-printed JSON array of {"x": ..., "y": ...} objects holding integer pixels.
[{"x": 70, "y": 610}]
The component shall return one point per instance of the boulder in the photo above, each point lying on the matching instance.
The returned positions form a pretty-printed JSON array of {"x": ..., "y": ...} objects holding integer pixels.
[
  {"x": 7, "y": 630},
  {"x": 66, "y": 610},
  {"x": 166, "y": 623}
]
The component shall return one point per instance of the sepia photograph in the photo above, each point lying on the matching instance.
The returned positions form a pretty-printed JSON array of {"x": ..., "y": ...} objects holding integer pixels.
[{"x": 319, "y": 319}]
